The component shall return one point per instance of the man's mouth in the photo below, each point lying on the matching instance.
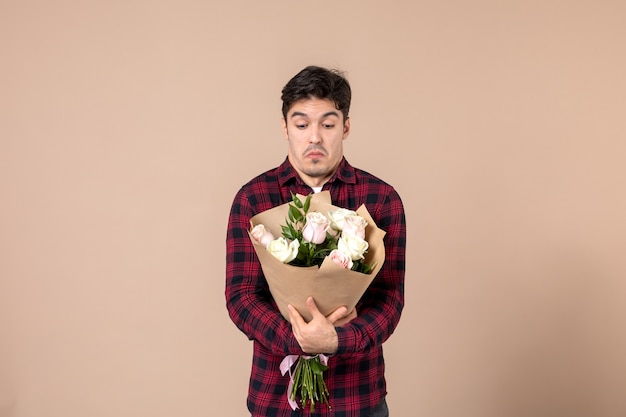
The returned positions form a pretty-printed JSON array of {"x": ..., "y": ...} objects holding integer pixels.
[{"x": 315, "y": 153}]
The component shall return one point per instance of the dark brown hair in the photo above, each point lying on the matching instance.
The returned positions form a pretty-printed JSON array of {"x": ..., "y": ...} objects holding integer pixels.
[{"x": 318, "y": 82}]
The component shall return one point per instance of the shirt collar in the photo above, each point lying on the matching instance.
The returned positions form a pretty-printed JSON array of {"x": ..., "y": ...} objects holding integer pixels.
[{"x": 345, "y": 173}]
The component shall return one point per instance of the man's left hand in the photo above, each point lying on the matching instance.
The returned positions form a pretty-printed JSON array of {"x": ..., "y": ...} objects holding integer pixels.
[{"x": 319, "y": 334}]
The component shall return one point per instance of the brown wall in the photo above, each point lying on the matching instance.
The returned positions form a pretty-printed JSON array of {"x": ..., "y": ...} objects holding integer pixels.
[{"x": 127, "y": 126}]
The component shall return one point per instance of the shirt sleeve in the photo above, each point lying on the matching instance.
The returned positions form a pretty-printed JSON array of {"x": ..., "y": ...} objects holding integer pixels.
[
  {"x": 380, "y": 307},
  {"x": 248, "y": 300}
]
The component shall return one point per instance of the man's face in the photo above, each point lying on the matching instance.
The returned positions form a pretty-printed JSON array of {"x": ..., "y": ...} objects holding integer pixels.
[{"x": 315, "y": 130}]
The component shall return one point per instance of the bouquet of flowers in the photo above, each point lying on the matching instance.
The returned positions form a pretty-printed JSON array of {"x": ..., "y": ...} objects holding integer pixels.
[{"x": 323, "y": 251}]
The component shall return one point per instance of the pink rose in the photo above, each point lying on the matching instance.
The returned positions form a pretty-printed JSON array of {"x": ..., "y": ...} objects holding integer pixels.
[
  {"x": 315, "y": 228},
  {"x": 354, "y": 225},
  {"x": 262, "y": 235},
  {"x": 341, "y": 258}
]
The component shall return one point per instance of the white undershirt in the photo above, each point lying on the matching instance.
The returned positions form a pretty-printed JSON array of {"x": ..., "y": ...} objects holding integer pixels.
[{"x": 316, "y": 189}]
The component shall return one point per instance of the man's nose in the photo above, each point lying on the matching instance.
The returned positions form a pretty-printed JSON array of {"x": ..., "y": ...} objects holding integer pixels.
[{"x": 316, "y": 136}]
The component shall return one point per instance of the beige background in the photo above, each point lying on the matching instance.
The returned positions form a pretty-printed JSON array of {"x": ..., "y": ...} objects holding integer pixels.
[{"x": 127, "y": 126}]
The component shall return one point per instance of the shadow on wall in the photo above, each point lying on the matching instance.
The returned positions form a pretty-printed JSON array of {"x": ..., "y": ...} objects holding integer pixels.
[
  {"x": 8, "y": 399},
  {"x": 7, "y": 409}
]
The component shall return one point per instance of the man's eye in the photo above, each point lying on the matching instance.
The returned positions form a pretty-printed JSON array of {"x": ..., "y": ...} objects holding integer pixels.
[
  {"x": 328, "y": 126},
  {"x": 301, "y": 126}
]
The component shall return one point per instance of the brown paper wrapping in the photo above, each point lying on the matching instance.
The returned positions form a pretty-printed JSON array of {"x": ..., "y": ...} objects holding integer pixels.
[{"x": 330, "y": 285}]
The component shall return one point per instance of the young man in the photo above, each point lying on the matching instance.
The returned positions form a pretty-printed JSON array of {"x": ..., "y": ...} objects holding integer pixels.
[{"x": 316, "y": 103}]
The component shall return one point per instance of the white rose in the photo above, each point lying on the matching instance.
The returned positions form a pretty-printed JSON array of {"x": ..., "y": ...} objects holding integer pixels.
[
  {"x": 353, "y": 246},
  {"x": 283, "y": 250},
  {"x": 354, "y": 225},
  {"x": 338, "y": 217}
]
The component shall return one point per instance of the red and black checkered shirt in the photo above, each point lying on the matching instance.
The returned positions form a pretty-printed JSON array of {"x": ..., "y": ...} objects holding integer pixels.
[{"x": 355, "y": 377}]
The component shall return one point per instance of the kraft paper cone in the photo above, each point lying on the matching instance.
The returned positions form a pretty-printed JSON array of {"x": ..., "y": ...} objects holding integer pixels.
[{"x": 330, "y": 285}]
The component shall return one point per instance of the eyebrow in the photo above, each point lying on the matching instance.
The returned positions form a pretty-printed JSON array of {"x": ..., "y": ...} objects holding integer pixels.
[{"x": 298, "y": 113}]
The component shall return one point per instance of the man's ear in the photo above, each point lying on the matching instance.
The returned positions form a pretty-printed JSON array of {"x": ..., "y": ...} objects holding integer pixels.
[
  {"x": 284, "y": 122},
  {"x": 346, "y": 128}
]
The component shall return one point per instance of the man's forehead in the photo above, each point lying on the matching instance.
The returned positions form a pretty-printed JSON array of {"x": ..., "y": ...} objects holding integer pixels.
[
  {"x": 313, "y": 107},
  {"x": 297, "y": 113}
]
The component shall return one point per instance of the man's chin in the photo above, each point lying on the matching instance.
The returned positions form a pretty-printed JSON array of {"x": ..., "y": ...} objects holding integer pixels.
[{"x": 316, "y": 170}]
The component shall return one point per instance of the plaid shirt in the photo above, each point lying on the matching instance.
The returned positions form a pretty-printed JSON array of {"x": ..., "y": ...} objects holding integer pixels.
[{"x": 355, "y": 377}]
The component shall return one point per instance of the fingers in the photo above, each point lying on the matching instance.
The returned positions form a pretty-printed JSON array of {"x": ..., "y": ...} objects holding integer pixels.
[
  {"x": 347, "y": 318},
  {"x": 337, "y": 315},
  {"x": 332, "y": 317},
  {"x": 294, "y": 316},
  {"x": 310, "y": 304},
  {"x": 319, "y": 334}
]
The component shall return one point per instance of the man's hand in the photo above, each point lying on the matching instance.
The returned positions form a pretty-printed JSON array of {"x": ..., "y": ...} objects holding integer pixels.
[{"x": 318, "y": 335}]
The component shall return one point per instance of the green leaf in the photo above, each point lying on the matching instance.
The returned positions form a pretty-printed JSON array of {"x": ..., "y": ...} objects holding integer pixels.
[
  {"x": 307, "y": 203},
  {"x": 317, "y": 367},
  {"x": 296, "y": 201},
  {"x": 295, "y": 213}
]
